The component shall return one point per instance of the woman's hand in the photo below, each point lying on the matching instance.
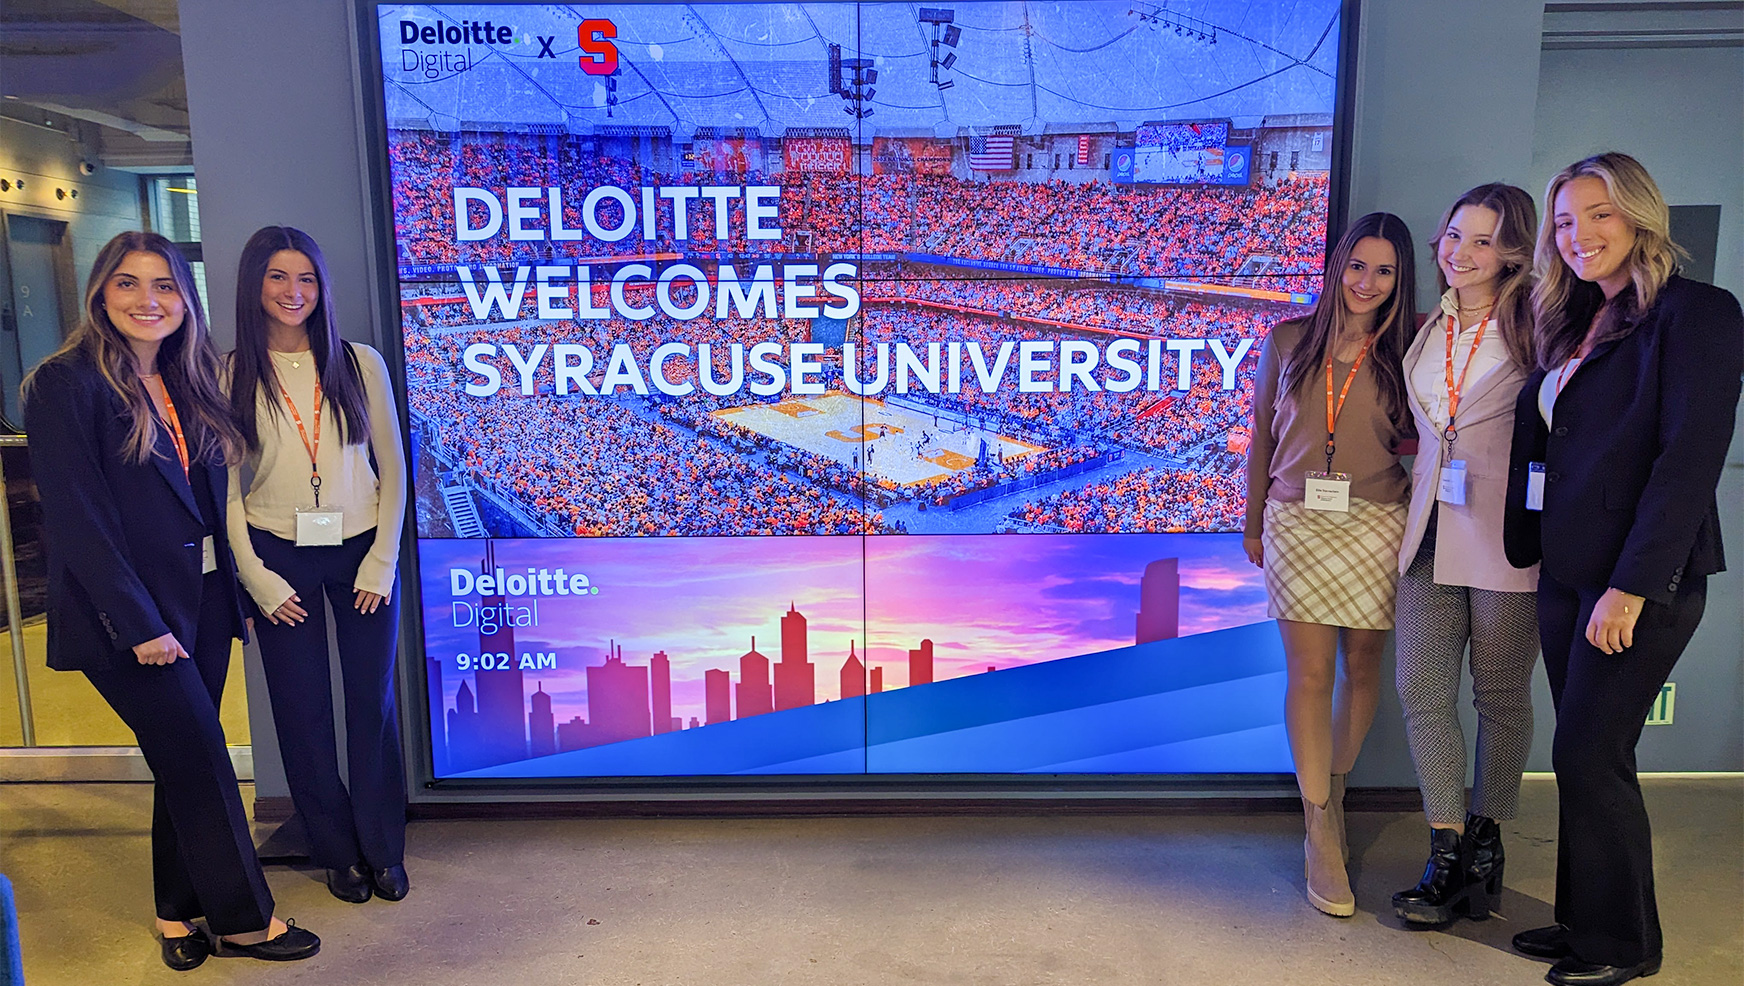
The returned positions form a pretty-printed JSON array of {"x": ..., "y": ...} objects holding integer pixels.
[
  {"x": 367, "y": 601},
  {"x": 1256, "y": 551},
  {"x": 289, "y": 612},
  {"x": 1612, "y": 626},
  {"x": 161, "y": 650}
]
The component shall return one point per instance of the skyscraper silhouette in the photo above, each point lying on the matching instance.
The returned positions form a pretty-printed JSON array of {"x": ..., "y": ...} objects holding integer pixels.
[
  {"x": 795, "y": 677},
  {"x": 438, "y": 720},
  {"x": 541, "y": 725},
  {"x": 853, "y": 675},
  {"x": 573, "y": 735},
  {"x": 502, "y": 697},
  {"x": 617, "y": 701},
  {"x": 877, "y": 684},
  {"x": 717, "y": 687},
  {"x": 463, "y": 748},
  {"x": 660, "y": 690},
  {"x": 920, "y": 664},
  {"x": 1159, "y": 602},
  {"x": 754, "y": 695}
]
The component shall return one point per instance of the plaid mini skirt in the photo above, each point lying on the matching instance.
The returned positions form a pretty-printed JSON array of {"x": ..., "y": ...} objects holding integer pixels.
[{"x": 1340, "y": 569}]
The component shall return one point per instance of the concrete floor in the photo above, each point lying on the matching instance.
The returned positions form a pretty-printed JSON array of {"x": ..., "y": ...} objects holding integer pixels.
[{"x": 1062, "y": 899}]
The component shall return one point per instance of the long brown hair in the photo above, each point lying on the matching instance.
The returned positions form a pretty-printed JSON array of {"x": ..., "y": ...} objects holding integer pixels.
[
  {"x": 1563, "y": 305},
  {"x": 1513, "y": 245},
  {"x": 251, "y": 369},
  {"x": 187, "y": 360},
  {"x": 1395, "y": 321}
]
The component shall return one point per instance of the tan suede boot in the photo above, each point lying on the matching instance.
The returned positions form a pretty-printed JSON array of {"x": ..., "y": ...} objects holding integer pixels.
[
  {"x": 1328, "y": 883},
  {"x": 1335, "y": 808}
]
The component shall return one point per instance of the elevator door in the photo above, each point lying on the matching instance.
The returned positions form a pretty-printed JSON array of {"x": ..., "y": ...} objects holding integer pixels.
[{"x": 37, "y": 257}]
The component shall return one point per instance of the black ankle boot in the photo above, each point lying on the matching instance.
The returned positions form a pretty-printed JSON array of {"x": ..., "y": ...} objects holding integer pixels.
[
  {"x": 1437, "y": 897},
  {"x": 1483, "y": 868}
]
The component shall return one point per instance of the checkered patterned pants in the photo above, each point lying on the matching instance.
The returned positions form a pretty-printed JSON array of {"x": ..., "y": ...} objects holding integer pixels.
[{"x": 1435, "y": 623}]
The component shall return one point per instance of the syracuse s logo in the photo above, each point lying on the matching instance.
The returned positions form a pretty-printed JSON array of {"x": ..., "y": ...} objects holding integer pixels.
[{"x": 599, "y": 55}]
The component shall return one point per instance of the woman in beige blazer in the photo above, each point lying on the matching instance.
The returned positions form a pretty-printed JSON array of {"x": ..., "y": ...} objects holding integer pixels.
[{"x": 1456, "y": 588}]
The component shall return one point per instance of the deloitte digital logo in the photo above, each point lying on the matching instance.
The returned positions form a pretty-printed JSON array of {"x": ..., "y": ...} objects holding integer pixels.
[
  {"x": 456, "y": 37},
  {"x": 454, "y": 41}
]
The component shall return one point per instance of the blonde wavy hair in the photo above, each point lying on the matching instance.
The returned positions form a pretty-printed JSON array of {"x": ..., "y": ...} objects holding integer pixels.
[{"x": 1563, "y": 305}]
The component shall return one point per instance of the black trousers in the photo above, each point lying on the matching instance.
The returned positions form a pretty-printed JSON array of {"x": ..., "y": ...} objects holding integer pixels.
[
  {"x": 367, "y": 823},
  {"x": 202, "y": 850},
  {"x": 1604, "y": 851}
]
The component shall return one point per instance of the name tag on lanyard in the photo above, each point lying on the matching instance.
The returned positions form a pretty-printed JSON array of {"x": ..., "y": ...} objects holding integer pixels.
[
  {"x": 1329, "y": 491},
  {"x": 208, "y": 556},
  {"x": 317, "y": 526},
  {"x": 320, "y": 527},
  {"x": 1452, "y": 486},
  {"x": 1535, "y": 486}
]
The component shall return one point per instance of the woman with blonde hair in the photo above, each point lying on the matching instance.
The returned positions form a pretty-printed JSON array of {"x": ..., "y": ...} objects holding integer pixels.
[
  {"x": 129, "y": 436},
  {"x": 1325, "y": 512},
  {"x": 1619, "y": 440},
  {"x": 1456, "y": 587}
]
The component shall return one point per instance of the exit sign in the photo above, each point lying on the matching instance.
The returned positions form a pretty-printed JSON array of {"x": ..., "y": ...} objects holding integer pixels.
[{"x": 1660, "y": 713}]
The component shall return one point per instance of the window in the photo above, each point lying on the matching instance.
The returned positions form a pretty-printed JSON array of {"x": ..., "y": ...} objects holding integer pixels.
[{"x": 174, "y": 202}]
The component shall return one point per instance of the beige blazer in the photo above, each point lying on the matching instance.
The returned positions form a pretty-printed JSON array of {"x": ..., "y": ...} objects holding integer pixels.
[{"x": 1468, "y": 540}]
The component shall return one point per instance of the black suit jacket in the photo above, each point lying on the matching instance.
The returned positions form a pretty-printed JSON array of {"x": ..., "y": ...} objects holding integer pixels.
[
  {"x": 123, "y": 538},
  {"x": 1631, "y": 468}
]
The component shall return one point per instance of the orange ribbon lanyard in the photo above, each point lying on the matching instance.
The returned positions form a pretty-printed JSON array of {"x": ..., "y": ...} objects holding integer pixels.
[
  {"x": 1334, "y": 410},
  {"x": 175, "y": 429},
  {"x": 1567, "y": 371},
  {"x": 1456, "y": 387},
  {"x": 311, "y": 447}
]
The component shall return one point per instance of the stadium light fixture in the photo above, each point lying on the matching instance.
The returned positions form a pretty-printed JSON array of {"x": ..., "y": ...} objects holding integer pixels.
[
  {"x": 936, "y": 15},
  {"x": 946, "y": 85},
  {"x": 1177, "y": 29},
  {"x": 870, "y": 92},
  {"x": 871, "y": 77},
  {"x": 953, "y": 34},
  {"x": 950, "y": 59}
]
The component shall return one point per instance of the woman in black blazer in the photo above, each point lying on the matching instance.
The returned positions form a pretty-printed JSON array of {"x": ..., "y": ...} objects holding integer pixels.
[
  {"x": 1619, "y": 439},
  {"x": 128, "y": 439}
]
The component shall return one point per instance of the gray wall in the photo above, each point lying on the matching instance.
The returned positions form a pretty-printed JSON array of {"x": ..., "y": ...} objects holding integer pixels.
[
  {"x": 1448, "y": 97},
  {"x": 273, "y": 107}
]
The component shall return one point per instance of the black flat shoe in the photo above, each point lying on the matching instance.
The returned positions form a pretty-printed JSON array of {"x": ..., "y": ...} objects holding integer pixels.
[
  {"x": 391, "y": 883},
  {"x": 296, "y": 943},
  {"x": 186, "y": 952},
  {"x": 350, "y": 884},
  {"x": 1545, "y": 943},
  {"x": 1571, "y": 971}
]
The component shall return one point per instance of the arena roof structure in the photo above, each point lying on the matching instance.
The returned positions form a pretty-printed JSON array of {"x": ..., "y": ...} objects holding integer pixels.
[{"x": 904, "y": 68}]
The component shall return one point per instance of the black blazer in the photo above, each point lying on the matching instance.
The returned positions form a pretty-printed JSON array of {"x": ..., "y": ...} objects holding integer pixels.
[
  {"x": 1642, "y": 429},
  {"x": 123, "y": 538}
]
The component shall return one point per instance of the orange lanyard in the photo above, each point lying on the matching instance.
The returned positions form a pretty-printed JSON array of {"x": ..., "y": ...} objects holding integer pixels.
[
  {"x": 1456, "y": 387},
  {"x": 311, "y": 447},
  {"x": 1567, "y": 371},
  {"x": 1334, "y": 410},
  {"x": 175, "y": 429}
]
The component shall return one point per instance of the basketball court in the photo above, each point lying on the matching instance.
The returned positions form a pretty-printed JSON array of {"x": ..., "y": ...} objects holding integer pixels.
[{"x": 901, "y": 444}]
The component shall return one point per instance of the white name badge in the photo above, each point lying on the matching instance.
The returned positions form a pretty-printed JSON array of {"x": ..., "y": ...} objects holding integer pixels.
[
  {"x": 208, "y": 555},
  {"x": 320, "y": 527},
  {"x": 1535, "y": 486},
  {"x": 1452, "y": 488},
  {"x": 1327, "y": 491}
]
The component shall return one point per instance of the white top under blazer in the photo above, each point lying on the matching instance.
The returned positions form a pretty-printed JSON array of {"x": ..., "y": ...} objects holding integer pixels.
[{"x": 280, "y": 480}]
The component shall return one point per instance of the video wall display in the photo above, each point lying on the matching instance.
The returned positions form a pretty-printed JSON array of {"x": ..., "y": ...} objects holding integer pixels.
[{"x": 839, "y": 388}]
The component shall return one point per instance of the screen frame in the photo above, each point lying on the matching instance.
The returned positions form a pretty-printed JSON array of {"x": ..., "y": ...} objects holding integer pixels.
[{"x": 718, "y": 793}]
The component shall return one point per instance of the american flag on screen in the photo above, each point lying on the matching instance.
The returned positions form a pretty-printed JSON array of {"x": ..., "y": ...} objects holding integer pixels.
[
  {"x": 1083, "y": 150},
  {"x": 990, "y": 153}
]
